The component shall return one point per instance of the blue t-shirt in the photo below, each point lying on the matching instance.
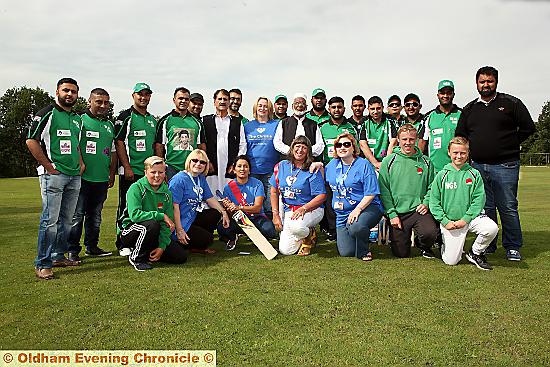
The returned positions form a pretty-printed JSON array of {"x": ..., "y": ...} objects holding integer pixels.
[
  {"x": 349, "y": 185},
  {"x": 259, "y": 146},
  {"x": 250, "y": 191},
  {"x": 189, "y": 193},
  {"x": 297, "y": 186}
]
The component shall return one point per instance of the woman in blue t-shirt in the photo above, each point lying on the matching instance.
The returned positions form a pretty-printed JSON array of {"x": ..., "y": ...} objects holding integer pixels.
[
  {"x": 195, "y": 222},
  {"x": 246, "y": 194},
  {"x": 259, "y": 145},
  {"x": 356, "y": 198},
  {"x": 302, "y": 194}
]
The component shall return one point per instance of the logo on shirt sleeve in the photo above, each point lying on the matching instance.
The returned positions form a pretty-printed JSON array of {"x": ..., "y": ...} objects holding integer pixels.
[{"x": 469, "y": 181}]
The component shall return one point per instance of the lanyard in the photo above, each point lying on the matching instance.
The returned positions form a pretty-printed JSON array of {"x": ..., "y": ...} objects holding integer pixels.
[
  {"x": 341, "y": 178},
  {"x": 197, "y": 189},
  {"x": 293, "y": 177}
]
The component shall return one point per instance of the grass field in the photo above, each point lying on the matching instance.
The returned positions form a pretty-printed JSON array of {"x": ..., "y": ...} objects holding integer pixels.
[{"x": 322, "y": 310}]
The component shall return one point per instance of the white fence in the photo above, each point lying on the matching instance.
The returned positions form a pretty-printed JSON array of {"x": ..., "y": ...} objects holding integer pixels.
[{"x": 535, "y": 159}]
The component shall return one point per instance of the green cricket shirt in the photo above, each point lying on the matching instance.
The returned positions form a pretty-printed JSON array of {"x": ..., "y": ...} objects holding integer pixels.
[
  {"x": 96, "y": 145},
  {"x": 330, "y": 131},
  {"x": 439, "y": 130}
]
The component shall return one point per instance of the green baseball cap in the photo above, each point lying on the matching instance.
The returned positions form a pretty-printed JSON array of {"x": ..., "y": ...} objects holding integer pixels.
[
  {"x": 445, "y": 83},
  {"x": 279, "y": 96},
  {"x": 317, "y": 91},
  {"x": 142, "y": 86}
]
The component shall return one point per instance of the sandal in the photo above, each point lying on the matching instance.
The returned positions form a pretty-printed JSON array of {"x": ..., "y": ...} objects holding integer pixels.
[
  {"x": 308, "y": 243},
  {"x": 367, "y": 256},
  {"x": 305, "y": 250}
]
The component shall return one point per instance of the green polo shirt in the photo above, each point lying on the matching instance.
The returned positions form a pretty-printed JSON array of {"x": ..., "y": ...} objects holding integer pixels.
[
  {"x": 378, "y": 135},
  {"x": 178, "y": 145},
  {"x": 58, "y": 132},
  {"x": 330, "y": 131},
  {"x": 318, "y": 119},
  {"x": 439, "y": 130},
  {"x": 96, "y": 144},
  {"x": 138, "y": 133}
]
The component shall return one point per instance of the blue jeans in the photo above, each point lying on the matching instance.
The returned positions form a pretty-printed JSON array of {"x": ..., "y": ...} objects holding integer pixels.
[
  {"x": 59, "y": 196},
  {"x": 88, "y": 211},
  {"x": 353, "y": 239},
  {"x": 265, "y": 181},
  {"x": 264, "y": 225},
  {"x": 501, "y": 189}
]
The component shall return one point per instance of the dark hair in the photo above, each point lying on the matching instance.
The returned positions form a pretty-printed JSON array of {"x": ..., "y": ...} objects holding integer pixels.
[
  {"x": 68, "y": 81},
  {"x": 243, "y": 157},
  {"x": 181, "y": 89},
  {"x": 222, "y": 91},
  {"x": 375, "y": 99},
  {"x": 411, "y": 96},
  {"x": 487, "y": 70},
  {"x": 395, "y": 97},
  {"x": 335, "y": 99},
  {"x": 358, "y": 98},
  {"x": 236, "y": 90},
  {"x": 301, "y": 139},
  {"x": 183, "y": 132},
  {"x": 99, "y": 92}
]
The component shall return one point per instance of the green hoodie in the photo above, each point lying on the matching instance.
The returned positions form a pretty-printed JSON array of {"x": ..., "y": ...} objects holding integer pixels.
[
  {"x": 404, "y": 182},
  {"x": 143, "y": 203},
  {"x": 457, "y": 194}
]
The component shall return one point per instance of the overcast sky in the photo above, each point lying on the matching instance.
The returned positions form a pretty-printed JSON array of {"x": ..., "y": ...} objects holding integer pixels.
[{"x": 348, "y": 47}]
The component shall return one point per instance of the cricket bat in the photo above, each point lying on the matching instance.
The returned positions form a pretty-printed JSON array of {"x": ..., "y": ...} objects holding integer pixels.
[{"x": 252, "y": 232}]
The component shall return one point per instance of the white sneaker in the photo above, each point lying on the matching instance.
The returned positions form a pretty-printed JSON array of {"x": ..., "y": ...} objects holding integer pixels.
[{"x": 124, "y": 251}]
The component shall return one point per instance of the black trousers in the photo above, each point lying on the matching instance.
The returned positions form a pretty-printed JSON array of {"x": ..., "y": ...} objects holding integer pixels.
[
  {"x": 201, "y": 232},
  {"x": 143, "y": 238},
  {"x": 123, "y": 186},
  {"x": 425, "y": 227},
  {"x": 328, "y": 223}
]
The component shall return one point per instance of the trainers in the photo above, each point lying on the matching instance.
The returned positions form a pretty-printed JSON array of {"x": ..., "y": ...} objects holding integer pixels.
[
  {"x": 513, "y": 255},
  {"x": 74, "y": 257},
  {"x": 427, "y": 253},
  {"x": 478, "y": 260},
  {"x": 44, "y": 273},
  {"x": 231, "y": 244},
  {"x": 140, "y": 266},
  {"x": 63, "y": 262},
  {"x": 125, "y": 251},
  {"x": 96, "y": 251},
  {"x": 331, "y": 236}
]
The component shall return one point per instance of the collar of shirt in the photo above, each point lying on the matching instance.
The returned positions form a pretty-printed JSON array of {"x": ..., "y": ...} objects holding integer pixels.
[{"x": 489, "y": 101}]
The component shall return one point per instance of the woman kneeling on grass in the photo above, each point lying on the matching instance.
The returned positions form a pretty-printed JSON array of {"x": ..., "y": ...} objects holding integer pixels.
[
  {"x": 302, "y": 194},
  {"x": 148, "y": 219},
  {"x": 246, "y": 194},
  {"x": 356, "y": 198},
  {"x": 195, "y": 223}
]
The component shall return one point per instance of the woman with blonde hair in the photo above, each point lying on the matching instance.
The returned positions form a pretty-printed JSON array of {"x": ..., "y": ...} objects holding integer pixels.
[{"x": 194, "y": 221}]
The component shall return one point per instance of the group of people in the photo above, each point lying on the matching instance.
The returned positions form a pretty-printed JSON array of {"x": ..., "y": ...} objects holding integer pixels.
[{"x": 288, "y": 173}]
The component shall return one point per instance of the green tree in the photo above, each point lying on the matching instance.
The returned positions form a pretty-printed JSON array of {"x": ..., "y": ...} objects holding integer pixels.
[
  {"x": 17, "y": 108},
  {"x": 539, "y": 142}
]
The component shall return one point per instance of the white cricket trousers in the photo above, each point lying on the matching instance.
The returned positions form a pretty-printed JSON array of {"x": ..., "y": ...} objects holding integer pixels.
[
  {"x": 294, "y": 231},
  {"x": 453, "y": 240}
]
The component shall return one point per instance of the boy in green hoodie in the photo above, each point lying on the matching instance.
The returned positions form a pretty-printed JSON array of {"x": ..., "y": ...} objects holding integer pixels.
[
  {"x": 457, "y": 199},
  {"x": 405, "y": 178},
  {"x": 148, "y": 219}
]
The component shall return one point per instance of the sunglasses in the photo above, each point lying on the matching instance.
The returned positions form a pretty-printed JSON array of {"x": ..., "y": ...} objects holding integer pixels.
[
  {"x": 195, "y": 160},
  {"x": 412, "y": 104},
  {"x": 345, "y": 144},
  {"x": 394, "y": 105}
]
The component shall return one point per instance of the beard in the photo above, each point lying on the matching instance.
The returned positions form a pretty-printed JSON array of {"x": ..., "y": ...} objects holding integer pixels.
[
  {"x": 299, "y": 113},
  {"x": 64, "y": 103}
]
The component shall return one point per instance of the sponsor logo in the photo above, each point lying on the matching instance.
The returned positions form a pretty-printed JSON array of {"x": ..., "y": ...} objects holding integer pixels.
[{"x": 260, "y": 130}]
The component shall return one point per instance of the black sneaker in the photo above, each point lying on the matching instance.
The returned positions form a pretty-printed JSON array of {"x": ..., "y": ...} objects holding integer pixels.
[
  {"x": 140, "y": 266},
  {"x": 427, "y": 253},
  {"x": 331, "y": 236},
  {"x": 478, "y": 260},
  {"x": 230, "y": 245},
  {"x": 96, "y": 251},
  {"x": 74, "y": 257}
]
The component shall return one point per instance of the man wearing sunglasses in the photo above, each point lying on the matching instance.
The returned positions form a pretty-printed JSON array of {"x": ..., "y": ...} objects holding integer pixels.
[
  {"x": 496, "y": 124},
  {"x": 378, "y": 130},
  {"x": 440, "y": 125}
]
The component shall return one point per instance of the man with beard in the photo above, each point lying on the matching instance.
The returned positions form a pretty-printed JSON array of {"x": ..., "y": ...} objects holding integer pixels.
[
  {"x": 225, "y": 140},
  {"x": 281, "y": 106},
  {"x": 99, "y": 157},
  {"x": 413, "y": 116},
  {"x": 296, "y": 125},
  {"x": 496, "y": 124},
  {"x": 235, "y": 101},
  {"x": 53, "y": 140},
  {"x": 178, "y": 133},
  {"x": 196, "y": 103},
  {"x": 135, "y": 130},
  {"x": 318, "y": 113},
  {"x": 440, "y": 125},
  {"x": 357, "y": 117},
  {"x": 330, "y": 130}
]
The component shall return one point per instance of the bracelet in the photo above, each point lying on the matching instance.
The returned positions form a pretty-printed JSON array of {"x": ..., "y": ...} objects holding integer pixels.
[{"x": 274, "y": 211}]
